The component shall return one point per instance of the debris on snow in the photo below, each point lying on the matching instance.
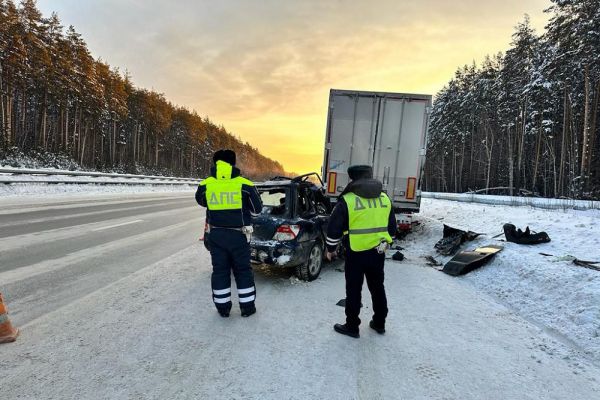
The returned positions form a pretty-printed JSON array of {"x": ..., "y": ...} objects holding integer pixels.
[
  {"x": 452, "y": 239},
  {"x": 518, "y": 236},
  {"x": 548, "y": 290}
]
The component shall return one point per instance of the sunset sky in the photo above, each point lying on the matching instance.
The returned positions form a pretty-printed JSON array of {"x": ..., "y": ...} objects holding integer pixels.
[{"x": 263, "y": 68}]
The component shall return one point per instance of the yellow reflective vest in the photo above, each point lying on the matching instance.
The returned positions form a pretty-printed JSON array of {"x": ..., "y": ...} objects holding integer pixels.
[
  {"x": 368, "y": 221},
  {"x": 224, "y": 192}
]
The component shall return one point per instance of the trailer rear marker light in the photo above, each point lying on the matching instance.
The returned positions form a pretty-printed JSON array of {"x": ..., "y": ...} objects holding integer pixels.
[
  {"x": 331, "y": 182},
  {"x": 410, "y": 188}
]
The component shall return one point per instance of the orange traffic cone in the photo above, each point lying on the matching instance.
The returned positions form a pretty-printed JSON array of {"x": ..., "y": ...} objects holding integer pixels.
[{"x": 7, "y": 332}]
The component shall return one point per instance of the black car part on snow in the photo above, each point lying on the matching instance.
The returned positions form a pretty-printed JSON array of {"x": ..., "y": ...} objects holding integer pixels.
[
  {"x": 452, "y": 239},
  {"x": 524, "y": 237},
  {"x": 467, "y": 261}
]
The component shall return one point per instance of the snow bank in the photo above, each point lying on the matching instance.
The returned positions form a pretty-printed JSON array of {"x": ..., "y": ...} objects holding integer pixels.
[
  {"x": 33, "y": 189},
  {"x": 549, "y": 290},
  {"x": 537, "y": 202},
  {"x": 37, "y": 182},
  {"x": 16, "y": 158}
]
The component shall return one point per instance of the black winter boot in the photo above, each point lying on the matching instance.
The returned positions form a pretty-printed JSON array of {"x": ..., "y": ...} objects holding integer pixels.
[
  {"x": 376, "y": 328},
  {"x": 346, "y": 330},
  {"x": 248, "y": 311}
]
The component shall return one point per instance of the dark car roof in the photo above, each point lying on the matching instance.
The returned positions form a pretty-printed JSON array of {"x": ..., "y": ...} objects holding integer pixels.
[
  {"x": 274, "y": 183},
  {"x": 279, "y": 181}
]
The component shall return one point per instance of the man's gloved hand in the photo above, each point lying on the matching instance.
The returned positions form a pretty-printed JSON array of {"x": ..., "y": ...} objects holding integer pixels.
[
  {"x": 383, "y": 246},
  {"x": 248, "y": 230}
]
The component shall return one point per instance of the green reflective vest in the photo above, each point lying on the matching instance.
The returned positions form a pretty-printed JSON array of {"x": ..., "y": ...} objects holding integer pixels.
[
  {"x": 368, "y": 221},
  {"x": 224, "y": 192}
]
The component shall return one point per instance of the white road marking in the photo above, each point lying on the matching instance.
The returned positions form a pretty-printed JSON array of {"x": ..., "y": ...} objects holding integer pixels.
[{"x": 121, "y": 224}]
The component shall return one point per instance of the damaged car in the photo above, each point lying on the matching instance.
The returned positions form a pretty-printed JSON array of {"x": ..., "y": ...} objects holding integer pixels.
[{"x": 290, "y": 231}]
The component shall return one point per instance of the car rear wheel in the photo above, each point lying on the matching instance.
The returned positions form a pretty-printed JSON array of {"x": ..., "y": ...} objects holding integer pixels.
[{"x": 310, "y": 270}]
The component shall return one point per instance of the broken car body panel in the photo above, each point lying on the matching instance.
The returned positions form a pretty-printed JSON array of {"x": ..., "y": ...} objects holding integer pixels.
[{"x": 297, "y": 207}]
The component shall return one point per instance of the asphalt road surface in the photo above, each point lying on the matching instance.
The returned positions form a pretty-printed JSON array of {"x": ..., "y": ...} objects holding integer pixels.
[{"x": 54, "y": 251}]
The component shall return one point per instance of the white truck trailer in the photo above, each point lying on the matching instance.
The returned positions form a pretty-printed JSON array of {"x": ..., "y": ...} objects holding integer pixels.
[{"x": 385, "y": 130}]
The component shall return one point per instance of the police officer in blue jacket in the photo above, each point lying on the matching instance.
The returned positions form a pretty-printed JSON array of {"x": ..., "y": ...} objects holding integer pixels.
[{"x": 231, "y": 201}]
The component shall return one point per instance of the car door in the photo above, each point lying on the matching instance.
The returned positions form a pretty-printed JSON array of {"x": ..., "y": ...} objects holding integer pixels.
[
  {"x": 314, "y": 213},
  {"x": 324, "y": 208}
]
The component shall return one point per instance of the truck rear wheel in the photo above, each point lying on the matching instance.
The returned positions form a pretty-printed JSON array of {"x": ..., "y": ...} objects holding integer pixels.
[{"x": 310, "y": 270}]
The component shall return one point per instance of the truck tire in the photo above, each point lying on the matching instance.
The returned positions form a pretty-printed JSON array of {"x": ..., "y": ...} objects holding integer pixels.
[{"x": 310, "y": 270}]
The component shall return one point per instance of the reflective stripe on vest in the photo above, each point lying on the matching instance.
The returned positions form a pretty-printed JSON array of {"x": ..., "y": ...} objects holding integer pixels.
[
  {"x": 368, "y": 221},
  {"x": 224, "y": 192}
]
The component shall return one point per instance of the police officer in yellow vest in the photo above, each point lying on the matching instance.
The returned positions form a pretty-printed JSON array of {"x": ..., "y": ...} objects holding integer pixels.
[
  {"x": 364, "y": 221},
  {"x": 231, "y": 201}
]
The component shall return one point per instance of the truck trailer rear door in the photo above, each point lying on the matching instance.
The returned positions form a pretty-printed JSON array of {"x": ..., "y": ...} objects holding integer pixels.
[
  {"x": 351, "y": 132},
  {"x": 399, "y": 149}
]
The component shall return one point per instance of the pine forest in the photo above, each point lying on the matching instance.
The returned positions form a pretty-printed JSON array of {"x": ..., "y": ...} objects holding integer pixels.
[
  {"x": 525, "y": 122},
  {"x": 55, "y": 98}
]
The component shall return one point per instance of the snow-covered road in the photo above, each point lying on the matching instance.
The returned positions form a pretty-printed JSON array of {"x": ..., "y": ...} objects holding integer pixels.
[{"x": 154, "y": 333}]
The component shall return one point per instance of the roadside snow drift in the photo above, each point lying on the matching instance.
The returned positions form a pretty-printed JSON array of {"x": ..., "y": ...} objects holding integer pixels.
[{"x": 549, "y": 290}]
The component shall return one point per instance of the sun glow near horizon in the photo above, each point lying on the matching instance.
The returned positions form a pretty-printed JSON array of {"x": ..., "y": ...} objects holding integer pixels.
[{"x": 264, "y": 69}]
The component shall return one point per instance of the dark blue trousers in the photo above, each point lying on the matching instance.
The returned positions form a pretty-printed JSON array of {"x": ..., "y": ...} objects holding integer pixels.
[
  {"x": 360, "y": 265},
  {"x": 230, "y": 252}
]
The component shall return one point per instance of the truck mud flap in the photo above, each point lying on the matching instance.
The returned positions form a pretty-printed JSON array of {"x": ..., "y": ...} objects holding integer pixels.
[{"x": 467, "y": 261}]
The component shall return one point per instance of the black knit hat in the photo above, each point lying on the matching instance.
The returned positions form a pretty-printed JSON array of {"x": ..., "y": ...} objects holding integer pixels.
[
  {"x": 225, "y": 155},
  {"x": 356, "y": 172}
]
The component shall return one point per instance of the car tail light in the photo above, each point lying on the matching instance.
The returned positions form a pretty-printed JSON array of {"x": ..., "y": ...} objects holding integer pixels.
[{"x": 286, "y": 232}]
